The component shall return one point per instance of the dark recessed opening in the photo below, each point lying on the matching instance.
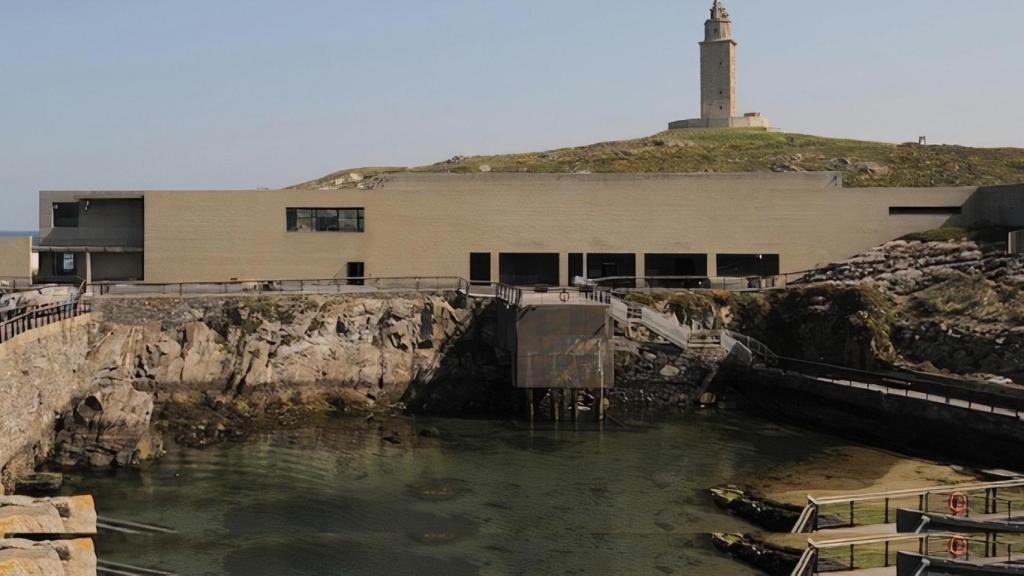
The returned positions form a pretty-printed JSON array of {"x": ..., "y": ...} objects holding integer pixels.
[
  {"x": 65, "y": 214},
  {"x": 611, "y": 266},
  {"x": 575, "y": 266},
  {"x": 480, "y": 267},
  {"x": 925, "y": 210},
  {"x": 694, "y": 267},
  {"x": 744, "y": 265},
  {"x": 355, "y": 272},
  {"x": 528, "y": 269}
]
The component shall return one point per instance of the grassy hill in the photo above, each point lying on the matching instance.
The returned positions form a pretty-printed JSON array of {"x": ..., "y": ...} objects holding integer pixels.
[{"x": 862, "y": 163}]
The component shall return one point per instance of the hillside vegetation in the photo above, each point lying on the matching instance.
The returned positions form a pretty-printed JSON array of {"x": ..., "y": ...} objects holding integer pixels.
[{"x": 862, "y": 163}]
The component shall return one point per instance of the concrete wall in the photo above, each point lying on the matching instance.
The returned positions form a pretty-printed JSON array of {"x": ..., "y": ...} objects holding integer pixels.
[
  {"x": 16, "y": 258},
  {"x": 40, "y": 375},
  {"x": 1016, "y": 242},
  {"x": 995, "y": 206},
  {"x": 911, "y": 424},
  {"x": 428, "y": 224},
  {"x": 564, "y": 346},
  {"x": 111, "y": 219},
  {"x": 116, "y": 266}
]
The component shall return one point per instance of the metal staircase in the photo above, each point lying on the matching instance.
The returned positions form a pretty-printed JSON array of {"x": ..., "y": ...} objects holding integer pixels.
[{"x": 632, "y": 314}]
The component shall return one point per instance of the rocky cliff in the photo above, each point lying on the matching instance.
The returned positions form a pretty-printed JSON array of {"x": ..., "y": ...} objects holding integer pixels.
[
  {"x": 202, "y": 369},
  {"x": 208, "y": 368},
  {"x": 954, "y": 305}
]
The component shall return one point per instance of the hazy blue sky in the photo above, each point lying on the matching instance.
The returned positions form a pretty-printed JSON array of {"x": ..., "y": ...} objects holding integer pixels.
[{"x": 126, "y": 94}]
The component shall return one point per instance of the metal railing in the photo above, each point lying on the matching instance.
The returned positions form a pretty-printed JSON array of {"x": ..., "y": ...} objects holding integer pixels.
[
  {"x": 510, "y": 295},
  {"x": 730, "y": 283},
  {"x": 666, "y": 326},
  {"x": 979, "y": 396},
  {"x": 42, "y": 316},
  {"x": 868, "y": 552},
  {"x": 302, "y": 286},
  {"x": 879, "y": 507},
  {"x": 757, "y": 349}
]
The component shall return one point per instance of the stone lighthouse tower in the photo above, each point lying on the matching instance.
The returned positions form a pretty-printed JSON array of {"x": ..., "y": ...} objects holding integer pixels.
[
  {"x": 718, "y": 78},
  {"x": 718, "y": 66}
]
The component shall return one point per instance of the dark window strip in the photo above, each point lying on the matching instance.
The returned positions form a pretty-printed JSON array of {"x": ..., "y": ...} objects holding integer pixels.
[
  {"x": 925, "y": 210},
  {"x": 325, "y": 219}
]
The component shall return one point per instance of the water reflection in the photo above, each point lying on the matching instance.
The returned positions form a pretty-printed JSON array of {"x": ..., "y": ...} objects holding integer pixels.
[{"x": 487, "y": 498}]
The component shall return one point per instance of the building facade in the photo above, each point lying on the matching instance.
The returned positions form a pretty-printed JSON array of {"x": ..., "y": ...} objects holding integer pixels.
[{"x": 517, "y": 228}]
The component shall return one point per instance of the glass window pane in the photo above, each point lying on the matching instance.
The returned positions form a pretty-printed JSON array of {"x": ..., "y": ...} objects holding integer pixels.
[
  {"x": 351, "y": 219},
  {"x": 305, "y": 220},
  {"x": 65, "y": 214},
  {"x": 290, "y": 217},
  {"x": 327, "y": 220}
]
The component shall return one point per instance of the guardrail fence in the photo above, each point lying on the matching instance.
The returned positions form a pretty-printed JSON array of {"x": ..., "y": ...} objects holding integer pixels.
[
  {"x": 38, "y": 317},
  {"x": 309, "y": 286},
  {"x": 880, "y": 508},
  {"x": 883, "y": 551}
]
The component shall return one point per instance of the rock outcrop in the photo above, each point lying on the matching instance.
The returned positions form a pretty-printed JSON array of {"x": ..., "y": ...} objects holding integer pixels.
[
  {"x": 51, "y": 558},
  {"x": 110, "y": 427},
  {"x": 956, "y": 305},
  {"x": 344, "y": 351}
]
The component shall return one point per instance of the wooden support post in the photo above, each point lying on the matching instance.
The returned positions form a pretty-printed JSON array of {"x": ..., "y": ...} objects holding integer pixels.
[
  {"x": 575, "y": 405},
  {"x": 556, "y": 404},
  {"x": 529, "y": 403},
  {"x": 599, "y": 405}
]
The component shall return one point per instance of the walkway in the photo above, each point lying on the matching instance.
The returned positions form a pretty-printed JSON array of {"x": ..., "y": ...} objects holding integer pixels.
[{"x": 938, "y": 399}]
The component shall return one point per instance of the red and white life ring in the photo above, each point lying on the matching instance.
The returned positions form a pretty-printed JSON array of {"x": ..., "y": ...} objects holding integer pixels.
[{"x": 958, "y": 503}]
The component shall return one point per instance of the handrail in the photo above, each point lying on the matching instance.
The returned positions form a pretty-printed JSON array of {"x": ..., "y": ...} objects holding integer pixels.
[
  {"x": 235, "y": 286},
  {"x": 42, "y": 316},
  {"x": 808, "y": 563},
  {"x": 510, "y": 295},
  {"x": 732, "y": 283},
  {"x": 863, "y": 540},
  {"x": 807, "y": 520},
  {"x": 943, "y": 489},
  {"x": 756, "y": 347},
  {"x": 992, "y": 397}
]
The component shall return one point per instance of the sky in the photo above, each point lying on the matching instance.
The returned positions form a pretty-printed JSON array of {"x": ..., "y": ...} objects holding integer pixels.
[{"x": 121, "y": 94}]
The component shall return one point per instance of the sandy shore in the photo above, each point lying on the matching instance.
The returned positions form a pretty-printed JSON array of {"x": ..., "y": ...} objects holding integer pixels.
[{"x": 852, "y": 470}]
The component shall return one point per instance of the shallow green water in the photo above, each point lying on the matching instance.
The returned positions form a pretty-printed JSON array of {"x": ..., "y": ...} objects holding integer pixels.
[{"x": 486, "y": 498}]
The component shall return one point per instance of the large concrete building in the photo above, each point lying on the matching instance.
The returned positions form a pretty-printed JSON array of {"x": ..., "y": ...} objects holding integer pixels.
[
  {"x": 718, "y": 78},
  {"x": 515, "y": 228}
]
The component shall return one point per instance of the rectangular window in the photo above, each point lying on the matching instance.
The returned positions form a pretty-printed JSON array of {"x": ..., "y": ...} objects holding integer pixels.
[
  {"x": 575, "y": 266},
  {"x": 619, "y": 266},
  {"x": 528, "y": 269},
  {"x": 676, "y": 270},
  {"x": 324, "y": 219},
  {"x": 65, "y": 214},
  {"x": 480, "y": 267},
  {"x": 747, "y": 265},
  {"x": 355, "y": 271},
  {"x": 925, "y": 211}
]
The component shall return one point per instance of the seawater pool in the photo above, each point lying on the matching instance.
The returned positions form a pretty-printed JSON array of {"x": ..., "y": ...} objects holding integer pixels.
[{"x": 357, "y": 496}]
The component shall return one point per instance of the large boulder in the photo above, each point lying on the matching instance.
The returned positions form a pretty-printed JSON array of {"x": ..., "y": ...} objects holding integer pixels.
[{"x": 107, "y": 429}]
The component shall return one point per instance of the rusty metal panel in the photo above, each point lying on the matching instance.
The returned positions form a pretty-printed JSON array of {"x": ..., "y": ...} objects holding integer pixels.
[{"x": 564, "y": 347}]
